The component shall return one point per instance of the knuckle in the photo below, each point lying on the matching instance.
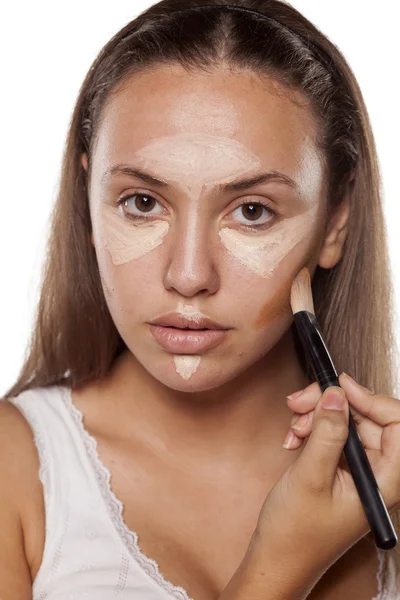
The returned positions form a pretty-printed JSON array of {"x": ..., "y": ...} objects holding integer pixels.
[
  {"x": 317, "y": 487},
  {"x": 374, "y": 399}
]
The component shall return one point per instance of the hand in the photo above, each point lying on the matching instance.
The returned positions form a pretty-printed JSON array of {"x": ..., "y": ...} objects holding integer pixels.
[
  {"x": 377, "y": 418},
  {"x": 313, "y": 514}
]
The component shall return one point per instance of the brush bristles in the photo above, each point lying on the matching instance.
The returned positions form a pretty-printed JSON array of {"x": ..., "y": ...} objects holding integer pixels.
[{"x": 301, "y": 294}]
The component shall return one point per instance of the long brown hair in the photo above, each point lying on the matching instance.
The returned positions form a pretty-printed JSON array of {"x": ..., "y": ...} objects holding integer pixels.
[{"x": 74, "y": 339}]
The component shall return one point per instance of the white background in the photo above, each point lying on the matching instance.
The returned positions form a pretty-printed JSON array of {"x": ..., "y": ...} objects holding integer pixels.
[{"x": 47, "y": 47}]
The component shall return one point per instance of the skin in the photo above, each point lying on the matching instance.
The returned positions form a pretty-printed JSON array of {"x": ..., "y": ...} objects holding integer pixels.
[{"x": 235, "y": 397}]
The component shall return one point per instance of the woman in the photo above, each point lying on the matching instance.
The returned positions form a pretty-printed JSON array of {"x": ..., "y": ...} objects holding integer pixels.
[{"x": 214, "y": 151}]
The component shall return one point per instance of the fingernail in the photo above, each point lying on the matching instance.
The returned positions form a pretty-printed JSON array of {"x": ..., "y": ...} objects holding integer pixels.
[
  {"x": 299, "y": 422},
  {"x": 334, "y": 399},
  {"x": 289, "y": 440},
  {"x": 295, "y": 395}
]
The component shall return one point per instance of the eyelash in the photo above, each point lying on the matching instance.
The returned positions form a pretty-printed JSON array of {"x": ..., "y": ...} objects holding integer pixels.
[{"x": 247, "y": 227}]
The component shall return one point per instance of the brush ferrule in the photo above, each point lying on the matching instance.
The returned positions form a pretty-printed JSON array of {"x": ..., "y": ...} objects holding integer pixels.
[{"x": 318, "y": 355}]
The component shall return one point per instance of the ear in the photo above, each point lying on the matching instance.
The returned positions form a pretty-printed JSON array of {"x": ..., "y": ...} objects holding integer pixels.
[
  {"x": 84, "y": 161},
  {"x": 336, "y": 233}
]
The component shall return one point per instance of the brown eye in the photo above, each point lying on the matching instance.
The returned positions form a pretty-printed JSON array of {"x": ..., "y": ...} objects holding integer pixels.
[
  {"x": 255, "y": 214},
  {"x": 136, "y": 206},
  {"x": 252, "y": 211},
  {"x": 143, "y": 203}
]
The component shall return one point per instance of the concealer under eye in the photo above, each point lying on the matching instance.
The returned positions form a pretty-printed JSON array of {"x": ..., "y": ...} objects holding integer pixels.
[{"x": 146, "y": 202}]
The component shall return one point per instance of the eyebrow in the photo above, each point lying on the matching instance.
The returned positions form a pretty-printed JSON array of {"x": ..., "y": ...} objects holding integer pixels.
[{"x": 234, "y": 186}]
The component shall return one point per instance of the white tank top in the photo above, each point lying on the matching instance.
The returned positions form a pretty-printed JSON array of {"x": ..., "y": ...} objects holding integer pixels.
[{"x": 89, "y": 552}]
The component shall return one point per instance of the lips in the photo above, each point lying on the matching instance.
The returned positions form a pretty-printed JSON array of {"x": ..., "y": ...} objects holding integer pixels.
[
  {"x": 187, "y": 341},
  {"x": 194, "y": 322}
]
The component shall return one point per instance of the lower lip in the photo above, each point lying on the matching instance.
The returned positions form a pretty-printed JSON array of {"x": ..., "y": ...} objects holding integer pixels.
[{"x": 186, "y": 341}]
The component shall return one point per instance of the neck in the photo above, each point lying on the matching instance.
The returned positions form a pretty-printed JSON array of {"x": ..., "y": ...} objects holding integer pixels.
[{"x": 235, "y": 423}]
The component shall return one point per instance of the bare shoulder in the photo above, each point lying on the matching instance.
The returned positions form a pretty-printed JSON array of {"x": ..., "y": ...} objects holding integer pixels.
[
  {"x": 18, "y": 457},
  {"x": 19, "y": 489}
]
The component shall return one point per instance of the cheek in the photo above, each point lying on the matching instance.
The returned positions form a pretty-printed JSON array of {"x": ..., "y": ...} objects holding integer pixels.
[
  {"x": 118, "y": 243},
  {"x": 279, "y": 305},
  {"x": 106, "y": 289},
  {"x": 275, "y": 308}
]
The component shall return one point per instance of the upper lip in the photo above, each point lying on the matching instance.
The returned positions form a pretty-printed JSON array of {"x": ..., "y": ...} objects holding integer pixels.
[{"x": 176, "y": 320}]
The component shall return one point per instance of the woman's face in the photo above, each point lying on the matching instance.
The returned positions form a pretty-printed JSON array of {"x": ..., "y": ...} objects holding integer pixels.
[{"x": 190, "y": 244}]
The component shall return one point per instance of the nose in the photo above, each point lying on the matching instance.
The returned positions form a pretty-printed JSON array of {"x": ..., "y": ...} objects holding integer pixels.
[{"x": 191, "y": 260}]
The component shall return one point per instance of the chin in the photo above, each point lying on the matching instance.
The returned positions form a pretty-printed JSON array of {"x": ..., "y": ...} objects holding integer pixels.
[{"x": 186, "y": 373}]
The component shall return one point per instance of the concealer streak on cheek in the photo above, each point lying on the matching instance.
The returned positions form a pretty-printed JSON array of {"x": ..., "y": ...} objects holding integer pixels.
[
  {"x": 262, "y": 254},
  {"x": 126, "y": 241}
]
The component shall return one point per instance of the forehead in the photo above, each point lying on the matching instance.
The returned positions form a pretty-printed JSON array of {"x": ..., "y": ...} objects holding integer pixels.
[{"x": 274, "y": 125}]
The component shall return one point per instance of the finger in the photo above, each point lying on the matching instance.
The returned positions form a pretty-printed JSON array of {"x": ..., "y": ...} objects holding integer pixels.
[
  {"x": 369, "y": 432},
  {"x": 292, "y": 441},
  {"x": 319, "y": 460},
  {"x": 383, "y": 410},
  {"x": 307, "y": 400},
  {"x": 302, "y": 427},
  {"x": 377, "y": 418}
]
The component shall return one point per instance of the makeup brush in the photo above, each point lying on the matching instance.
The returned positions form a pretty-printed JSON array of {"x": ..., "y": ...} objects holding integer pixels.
[{"x": 325, "y": 373}]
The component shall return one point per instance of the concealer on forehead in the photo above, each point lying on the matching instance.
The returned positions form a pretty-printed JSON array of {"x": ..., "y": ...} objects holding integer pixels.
[{"x": 195, "y": 161}]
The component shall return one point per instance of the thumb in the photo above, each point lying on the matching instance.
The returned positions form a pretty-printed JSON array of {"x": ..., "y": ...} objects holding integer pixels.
[{"x": 318, "y": 462}]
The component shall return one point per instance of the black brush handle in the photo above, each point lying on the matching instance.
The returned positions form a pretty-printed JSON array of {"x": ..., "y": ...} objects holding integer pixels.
[{"x": 360, "y": 468}]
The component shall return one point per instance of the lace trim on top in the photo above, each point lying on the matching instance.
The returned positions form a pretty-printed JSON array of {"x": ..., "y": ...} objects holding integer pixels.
[
  {"x": 115, "y": 506},
  {"x": 381, "y": 559},
  {"x": 391, "y": 590}
]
